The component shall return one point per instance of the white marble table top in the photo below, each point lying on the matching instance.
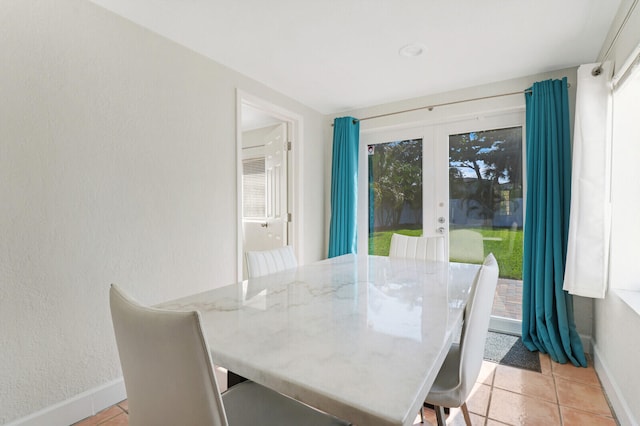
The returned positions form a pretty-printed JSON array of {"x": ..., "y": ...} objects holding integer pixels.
[{"x": 360, "y": 337}]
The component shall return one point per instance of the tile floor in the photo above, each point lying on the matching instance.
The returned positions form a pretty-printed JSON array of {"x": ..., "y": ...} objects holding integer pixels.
[{"x": 561, "y": 395}]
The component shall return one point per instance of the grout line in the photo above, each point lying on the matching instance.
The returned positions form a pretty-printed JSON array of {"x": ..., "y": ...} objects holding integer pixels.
[
  {"x": 587, "y": 384},
  {"x": 109, "y": 419},
  {"x": 555, "y": 388},
  {"x": 486, "y": 418},
  {"x": 122, "y": 408}
]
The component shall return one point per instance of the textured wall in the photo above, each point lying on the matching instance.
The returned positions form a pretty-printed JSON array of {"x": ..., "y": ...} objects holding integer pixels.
[{"x": 117, "y": 164}]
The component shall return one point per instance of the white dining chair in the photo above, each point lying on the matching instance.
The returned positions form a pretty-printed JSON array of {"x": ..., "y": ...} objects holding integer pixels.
[
  {"x": 424, "y": 248},
  {"x": 461, "y": 367},
  {"x": 170, "y": 380},
  {"x": 466, "y": 246},
  {"x": 266, "y": 262}
]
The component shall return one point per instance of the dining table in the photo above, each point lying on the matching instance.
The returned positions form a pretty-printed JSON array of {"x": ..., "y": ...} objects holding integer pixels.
[{"x": 361, "y": 337}]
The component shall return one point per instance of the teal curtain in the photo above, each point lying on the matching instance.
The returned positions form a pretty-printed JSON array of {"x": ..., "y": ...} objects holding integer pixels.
[
  {"x": 344, "y": 187},
  {"x": 547, "y": 310}
]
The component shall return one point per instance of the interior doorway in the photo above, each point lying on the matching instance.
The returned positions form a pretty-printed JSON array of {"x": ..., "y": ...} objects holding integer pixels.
[{"x": 266, "y": 140}]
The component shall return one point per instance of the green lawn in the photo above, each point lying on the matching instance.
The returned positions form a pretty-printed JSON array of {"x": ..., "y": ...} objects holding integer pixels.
[{"x": 507, "y": 247}]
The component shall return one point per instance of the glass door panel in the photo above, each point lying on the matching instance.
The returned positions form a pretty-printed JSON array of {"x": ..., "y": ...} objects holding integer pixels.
[
  {"x": 394, "y": 192},
  {"x": 486, "y": 208}
]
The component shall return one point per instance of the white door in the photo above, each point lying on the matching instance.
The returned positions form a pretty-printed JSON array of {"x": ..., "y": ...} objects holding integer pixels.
[
  {"x": 265, "y": 215},
  {"x": 276, "y": 184},
  {"x": 396, "y": 187},
  {"x": 481, "y": 171}
]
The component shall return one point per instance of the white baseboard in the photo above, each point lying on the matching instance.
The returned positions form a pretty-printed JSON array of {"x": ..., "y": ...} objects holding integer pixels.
[
  {"x": 618, "y": 403},
  {"x": 77, "y": 408},
  {"x": 587, "y": 343}
]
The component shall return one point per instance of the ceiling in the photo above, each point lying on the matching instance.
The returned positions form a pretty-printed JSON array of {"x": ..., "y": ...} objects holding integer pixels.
[{"x": 337, "y": 55}]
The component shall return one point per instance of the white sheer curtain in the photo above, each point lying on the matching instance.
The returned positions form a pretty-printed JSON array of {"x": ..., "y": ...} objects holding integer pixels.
[{"x": 589, "y": 224}]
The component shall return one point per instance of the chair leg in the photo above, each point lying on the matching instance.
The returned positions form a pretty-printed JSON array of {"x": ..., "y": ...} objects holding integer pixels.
[
  {"x": 440, "y": 415},
  {"x": 422, "y": 413},
  {"x": 465, "y": 413}
]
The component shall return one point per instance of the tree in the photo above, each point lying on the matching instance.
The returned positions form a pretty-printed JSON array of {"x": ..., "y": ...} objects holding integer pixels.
[
  {"x": 482, "y": 164},
  {"x": 396, "y": 180}
]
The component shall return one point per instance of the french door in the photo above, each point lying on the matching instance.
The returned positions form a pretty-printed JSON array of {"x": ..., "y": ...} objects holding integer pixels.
[{"x": 470, "y": 188}]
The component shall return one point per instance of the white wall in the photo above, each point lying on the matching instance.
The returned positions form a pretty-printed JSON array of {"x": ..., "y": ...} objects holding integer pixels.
[
  {"x": 117, "y": 164},
  {"x": 616, "y": 337}
]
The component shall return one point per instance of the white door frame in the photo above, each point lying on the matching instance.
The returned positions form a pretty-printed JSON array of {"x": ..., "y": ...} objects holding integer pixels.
[
  {"x": 294, "y": 176},
  {"x": 435, "y": 142}
]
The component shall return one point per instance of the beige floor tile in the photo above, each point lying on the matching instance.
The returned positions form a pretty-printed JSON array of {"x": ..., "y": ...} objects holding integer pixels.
[
  {"x": 101, "y": 417},
  {"x": 573, "y": 417},
  {"x": 122, "y": 419},
  {"x": 124, "y": 405},
  {"x": 578, "y": 374},
  {"x": 545, "y": 364},
  {"x": 86, "y": 422},
  {"x": 455, "y": 418},
  {"x": 582, "y": 396},
  {"x": 478, "y": 400},
  {"x": 429, "y": 418},
  {"x": 525, "y": 382},
  {"x": 516, "y": 409},
  {"x": 491, "y": 422},
  {"x": 487, "y": 372}
]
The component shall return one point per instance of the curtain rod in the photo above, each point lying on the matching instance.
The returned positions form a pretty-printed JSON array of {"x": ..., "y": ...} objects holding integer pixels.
[
  {"x": 431, "y": 107},
  {"x": 598, "y": 70}
]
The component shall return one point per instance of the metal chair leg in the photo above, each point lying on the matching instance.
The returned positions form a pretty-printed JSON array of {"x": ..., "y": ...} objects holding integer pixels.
[
  {"x": 440, "y": 415},
  {"x": 465, "y": 413},
  {"x": 422, "y": 413}
]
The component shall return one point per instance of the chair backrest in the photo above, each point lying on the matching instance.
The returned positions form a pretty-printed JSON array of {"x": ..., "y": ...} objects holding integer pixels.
[
  {"x": 466, "y": 246},
  {"x": 166, "y": 363},
  {"x": 476, "y": 323},
  {"x": 425, "y": 248},
  {"x": 266, "y": 262}
]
